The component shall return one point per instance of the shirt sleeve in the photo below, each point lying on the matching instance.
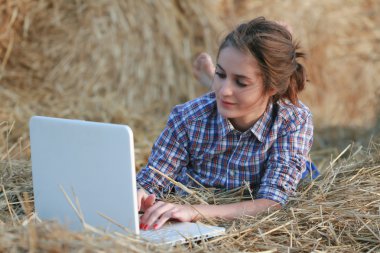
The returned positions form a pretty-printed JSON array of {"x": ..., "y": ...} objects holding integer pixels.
[
  {"x": 286, "y": 162},
  {"x": 169, "y": 155}
]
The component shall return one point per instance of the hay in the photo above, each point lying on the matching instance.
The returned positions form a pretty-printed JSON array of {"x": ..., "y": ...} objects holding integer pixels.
[
  {"x": 130, "y": 61},
  {"x": 341, "y": 40},
  {"x": 339, "y": 212},
  {"x": 106, "y": 61},
  {"x": 112, "y": 61}
]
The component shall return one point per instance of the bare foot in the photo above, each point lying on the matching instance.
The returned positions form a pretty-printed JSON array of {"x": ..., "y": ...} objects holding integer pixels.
[{"x": 204, "y": 69}]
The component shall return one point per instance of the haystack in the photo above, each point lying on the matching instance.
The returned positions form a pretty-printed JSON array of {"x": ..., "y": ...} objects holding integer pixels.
[
  {"x": 341, "y": 41},
  {"x": 112, "y": 61},
  {"x": 106, "y": 61}
]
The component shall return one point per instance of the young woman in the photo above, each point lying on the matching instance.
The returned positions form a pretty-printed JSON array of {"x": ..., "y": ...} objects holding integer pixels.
[{"x": 250, "y": 129}]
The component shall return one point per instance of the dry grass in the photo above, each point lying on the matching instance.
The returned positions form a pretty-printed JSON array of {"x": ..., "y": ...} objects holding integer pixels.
[
  {"x": 130, "y": 61},
  {"x": 109, "y": 61},
  {"x": 339, "y": 212},
  {"x": 114, "y": 61},
  {"x": 341, "y": 39}
]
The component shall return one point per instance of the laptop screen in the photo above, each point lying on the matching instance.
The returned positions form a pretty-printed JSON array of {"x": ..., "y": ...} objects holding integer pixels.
[{"x": 93, "y": 163}]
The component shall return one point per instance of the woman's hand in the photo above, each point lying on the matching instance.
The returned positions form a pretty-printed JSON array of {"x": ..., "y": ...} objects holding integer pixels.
[
  {"x": 156, "y": 215},
  {"x": 144, "y": 200},
  {"x": 160, "y": 212}
]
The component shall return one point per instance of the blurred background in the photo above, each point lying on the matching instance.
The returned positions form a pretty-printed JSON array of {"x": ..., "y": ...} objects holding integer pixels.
[{"x": 130, "y": 61}]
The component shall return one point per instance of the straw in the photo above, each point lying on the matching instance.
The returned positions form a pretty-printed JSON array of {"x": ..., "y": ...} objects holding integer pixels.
[
  {"x": 180, "y": 185},
  {"x": 129, "y": 62}
]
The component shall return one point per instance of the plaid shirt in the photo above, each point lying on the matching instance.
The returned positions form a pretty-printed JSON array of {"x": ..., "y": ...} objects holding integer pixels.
[{"x": 199, "y": 142}]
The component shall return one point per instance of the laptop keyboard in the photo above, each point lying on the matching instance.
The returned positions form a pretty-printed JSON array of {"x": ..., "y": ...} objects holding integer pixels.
[
  {"x": 179, "y": 232},
  {"x": 162, "y": 234}
]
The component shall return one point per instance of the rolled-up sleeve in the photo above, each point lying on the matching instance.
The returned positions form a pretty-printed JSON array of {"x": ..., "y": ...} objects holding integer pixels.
[
  {"x": 286, "y": 161},
  {"x": 169, "y": 155}
]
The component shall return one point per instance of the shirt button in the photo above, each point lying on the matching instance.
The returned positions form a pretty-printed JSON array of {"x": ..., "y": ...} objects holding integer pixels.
[{"x": 232, "y": 173}]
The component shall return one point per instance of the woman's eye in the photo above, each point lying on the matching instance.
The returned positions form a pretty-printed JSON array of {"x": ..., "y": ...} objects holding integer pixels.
[
  {"x": 220, "y": 75},
  {"x": 240, "y": 84}
]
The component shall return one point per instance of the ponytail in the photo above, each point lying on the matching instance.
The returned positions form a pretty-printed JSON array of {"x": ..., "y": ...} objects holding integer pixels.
[{"x": 297, "y": 81}]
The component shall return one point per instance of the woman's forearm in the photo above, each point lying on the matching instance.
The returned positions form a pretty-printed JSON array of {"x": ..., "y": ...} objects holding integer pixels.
[{"x": 236, "y": 210}]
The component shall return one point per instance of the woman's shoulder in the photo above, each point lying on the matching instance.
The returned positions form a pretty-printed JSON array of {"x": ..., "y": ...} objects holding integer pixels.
[
  {"x": 198, "y": 108},
  {"x": 293, "y": 115}
]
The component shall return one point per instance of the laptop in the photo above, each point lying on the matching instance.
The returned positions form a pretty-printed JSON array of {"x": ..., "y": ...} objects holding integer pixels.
[{"x": 84, "y": 172}]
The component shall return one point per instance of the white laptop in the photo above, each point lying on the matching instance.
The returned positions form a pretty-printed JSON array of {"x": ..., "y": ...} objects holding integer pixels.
[{"x": 92, "y": 164}]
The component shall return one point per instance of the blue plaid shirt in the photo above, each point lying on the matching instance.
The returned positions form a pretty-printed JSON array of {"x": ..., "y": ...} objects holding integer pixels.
[{"x": 198, "y": 142}]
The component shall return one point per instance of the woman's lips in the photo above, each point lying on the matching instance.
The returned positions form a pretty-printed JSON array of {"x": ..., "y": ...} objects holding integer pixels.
[{"x": 227, "y": 103}]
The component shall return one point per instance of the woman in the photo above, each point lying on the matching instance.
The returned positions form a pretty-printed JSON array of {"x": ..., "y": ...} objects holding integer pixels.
[{"x": 250, "y": 128}]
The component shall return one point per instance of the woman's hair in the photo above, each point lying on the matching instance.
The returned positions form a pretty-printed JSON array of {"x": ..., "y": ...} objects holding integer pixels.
[{"x": 272, "y": 46}]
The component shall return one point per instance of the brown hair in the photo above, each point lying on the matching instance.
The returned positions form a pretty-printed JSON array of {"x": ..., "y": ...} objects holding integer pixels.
[{"x": 272, "y": 46}]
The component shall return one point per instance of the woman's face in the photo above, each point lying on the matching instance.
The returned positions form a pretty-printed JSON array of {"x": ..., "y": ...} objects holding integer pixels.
[{"x": 239, "y": 88}]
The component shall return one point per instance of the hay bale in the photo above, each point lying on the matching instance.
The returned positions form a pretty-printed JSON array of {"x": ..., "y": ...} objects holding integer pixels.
[
  {"x": 106, "y": 61},
  {"x": 110, "y": 61},
  {"x": 341, "y": 41},
  {"x": 103, "y": 61}
]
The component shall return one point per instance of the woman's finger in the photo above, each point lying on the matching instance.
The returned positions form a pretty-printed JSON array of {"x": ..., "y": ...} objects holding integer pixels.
[
  {"x": 144, "y": 219},
  {"x": 141, "y": 195},
  {"x": 149, "y": 201},
  {"x": 164, "y": 218},
  {"x": 154, "y": 214}
]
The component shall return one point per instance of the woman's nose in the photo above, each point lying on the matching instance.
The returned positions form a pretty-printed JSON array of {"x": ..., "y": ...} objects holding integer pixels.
[{"x": 225, "y": 88}]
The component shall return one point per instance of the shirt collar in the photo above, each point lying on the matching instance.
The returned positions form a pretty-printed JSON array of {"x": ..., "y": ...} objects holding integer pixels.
[
  {"x": 224, "y": 126},
  {"x": 262, "y": 126},
  {"x": 260, "y": 129}
]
